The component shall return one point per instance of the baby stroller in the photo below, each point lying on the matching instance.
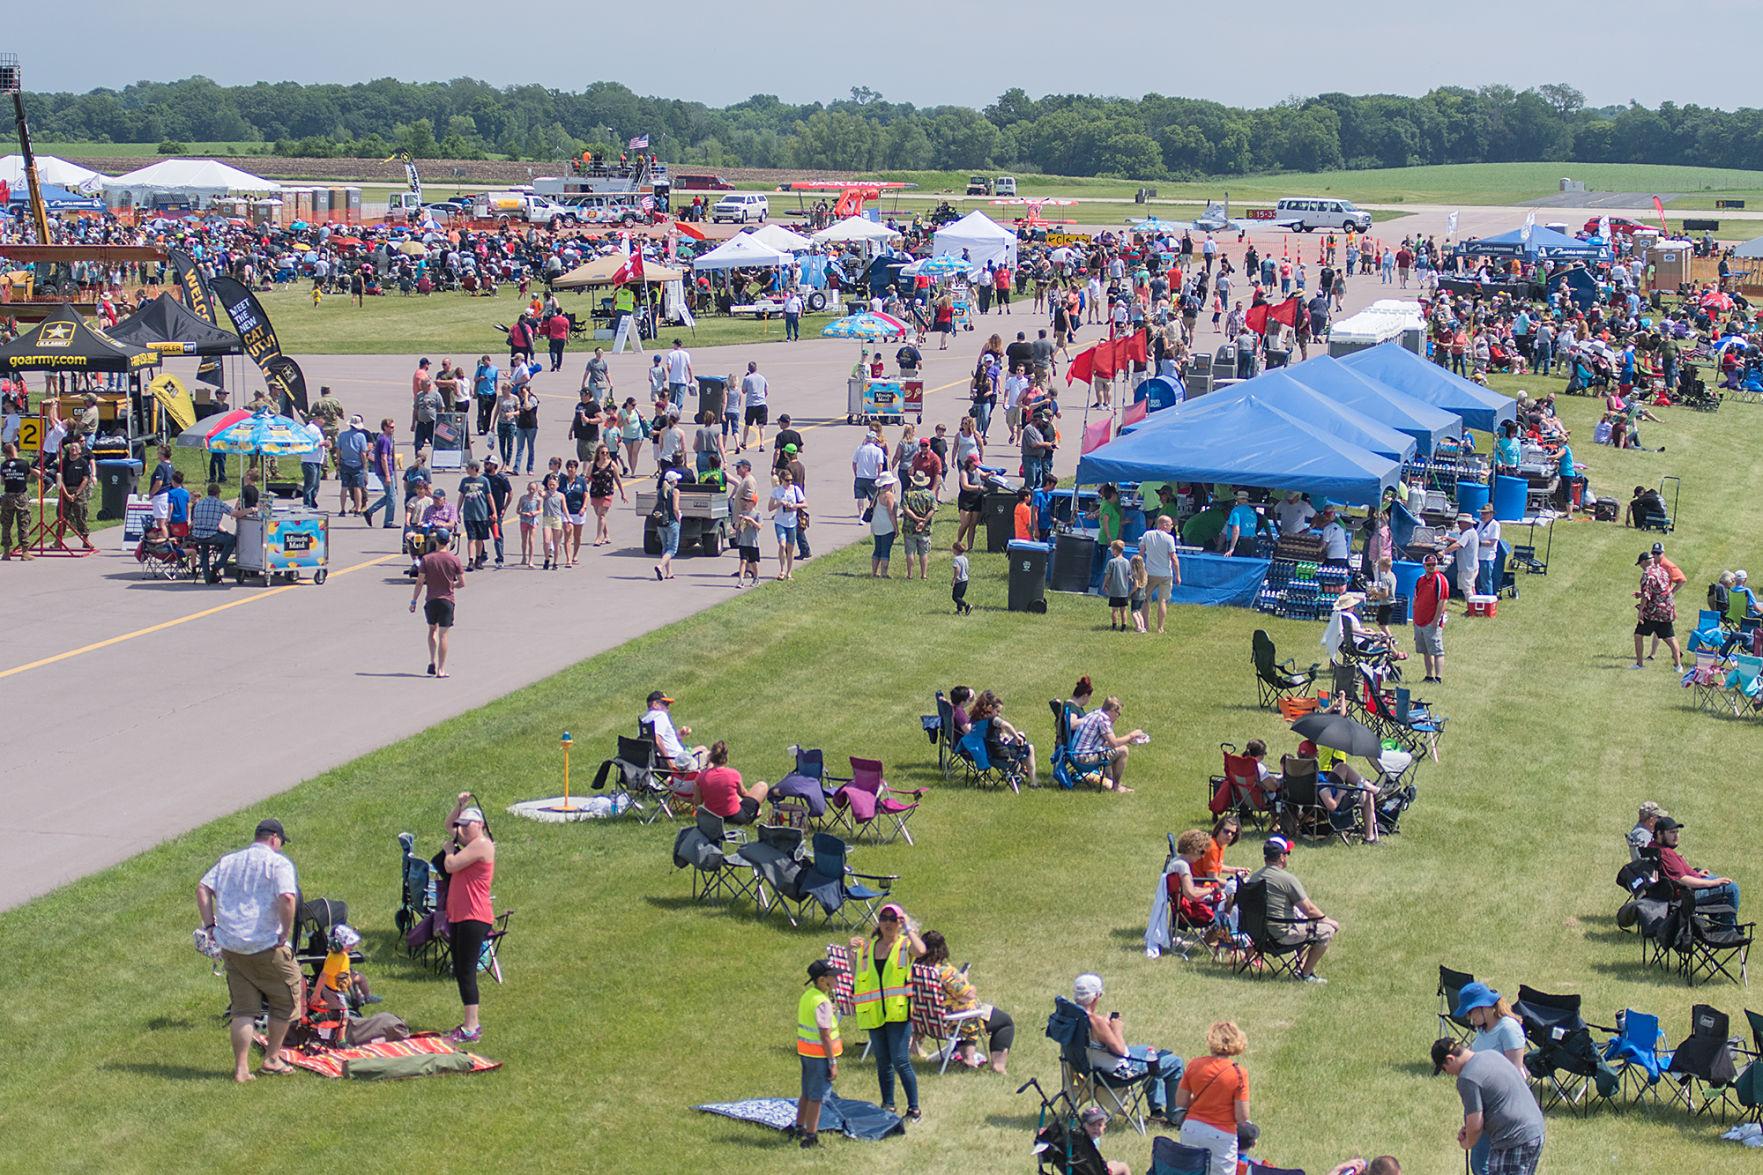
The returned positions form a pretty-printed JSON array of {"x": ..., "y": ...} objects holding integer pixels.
[
  {"x": 1693, "y": 391},
  {"x": 1061, "y": 1145}
]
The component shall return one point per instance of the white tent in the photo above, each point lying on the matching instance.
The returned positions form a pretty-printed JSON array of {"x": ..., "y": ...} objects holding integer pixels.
[
  {"x": 197, "y": 180},
  {"x": 983, "y": 238},
  {"x": 50, "y": 170},
  {"x": 855, "y": 228},
  {"x": 742, "y": 252},
  {"x": 781, "y": 239},
  {"x": 1750, "y": 250}
]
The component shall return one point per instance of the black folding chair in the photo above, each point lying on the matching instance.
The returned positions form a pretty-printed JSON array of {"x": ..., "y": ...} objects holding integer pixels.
[{"x": 1264, "y": 939}]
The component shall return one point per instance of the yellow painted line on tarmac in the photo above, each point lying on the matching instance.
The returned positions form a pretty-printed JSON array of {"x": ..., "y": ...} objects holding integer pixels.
[{"x": 253, "y": 598}]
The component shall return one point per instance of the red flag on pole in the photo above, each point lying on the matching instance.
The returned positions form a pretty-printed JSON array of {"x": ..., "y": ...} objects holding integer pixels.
[
  {"x": 1096, "y": 435},
  {"x": 1082, "y": 367},
  {"x": 1135, "y": 412},
  {"x": 1135, "y": 349},
  {"x": 1659, "y": 205},
  {"x": 1104, "y": 359},
  {"x": 1286, "y": 312},
  {"x": 1256, "y": 319},
  {"x": 630, "y": 269}
]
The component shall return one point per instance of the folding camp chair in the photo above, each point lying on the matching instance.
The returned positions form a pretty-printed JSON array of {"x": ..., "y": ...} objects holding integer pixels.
[
  {"x": 1744, "y": 690},
  {"x": 1061, "y": 1145},
  {"x": 1122, "y": 1089},
  {"x": 652, "y": 789},
  {"x": 1071, "y": 767},
  {"x": 1275, "y": 679},
  {"x": 800, "y": 798},
  {"x": 940, "y": 729},
  {"x": 1262, "y": 940},
  {"x": 1639, "y": 1052},
  {"x": 1704, "y": 1066},
  {"x": 1185, "y": 918},
  {"x": 828, "y": 884},
  {"x": 1564, "y": 1064},
  {"x": 869, "y": 805},
  {"x": 931, "y": 1018},
  {"x": 708, "y": 847},
  {"x": 1706, "y": 681},
  {"x": 1239, "y": 790},
  {"x": 1707, "y": 948},
  {"x": 1748, "y": 1089},
  {"x": 776, "y": 861},
  {"x": 1300, "y": 810},
  {"x": 1169, "y": 1157},
  {"x": 838, "y": 955},
  {"x": 1450, "y": 984},
  {"x": 984, "y": 766}
]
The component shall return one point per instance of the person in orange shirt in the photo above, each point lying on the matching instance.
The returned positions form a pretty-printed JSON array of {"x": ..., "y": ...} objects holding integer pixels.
[
  {"x": 1214, "y": 1091},
  {"x": 1024, "y": 516}
]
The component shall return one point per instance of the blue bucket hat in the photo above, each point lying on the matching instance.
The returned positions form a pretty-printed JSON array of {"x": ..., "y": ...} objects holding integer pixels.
[{"x": 1473, "y": 996}]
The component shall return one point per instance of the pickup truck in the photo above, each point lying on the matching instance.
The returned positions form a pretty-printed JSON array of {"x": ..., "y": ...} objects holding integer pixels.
[
  {"x": 504, "y": 207},
  {"x": 704, "y": 521}
]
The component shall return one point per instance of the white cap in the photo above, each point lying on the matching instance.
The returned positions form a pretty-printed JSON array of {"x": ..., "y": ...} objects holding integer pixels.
[
  {"x": 469, "y": 816},
  {"x": 1086, "y": 987}
]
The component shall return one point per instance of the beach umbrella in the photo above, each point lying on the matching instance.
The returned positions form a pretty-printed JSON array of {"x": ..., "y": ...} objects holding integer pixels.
[
  {"x": 263, "y": 432},
  {"x": 869, "y": 327},
  {"x": 413, "y": 248},
  {"x": 1339, "y": 733},
  {"x": 947, "y": 265},
  {"x": 1152, "y": 224},
  {"x": 197, "y": 435}
]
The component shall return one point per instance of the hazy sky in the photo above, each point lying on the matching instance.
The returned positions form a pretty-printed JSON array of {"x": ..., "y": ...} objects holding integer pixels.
[{"x": 724, "y": 52}]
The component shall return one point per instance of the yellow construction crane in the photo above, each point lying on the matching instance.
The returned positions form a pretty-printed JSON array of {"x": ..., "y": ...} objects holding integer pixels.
[{"x": 12, "y": 82}]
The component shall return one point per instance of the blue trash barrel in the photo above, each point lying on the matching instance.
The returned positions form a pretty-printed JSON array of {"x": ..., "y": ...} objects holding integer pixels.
[
  {"x": 1407, "y": 575},
  {"x": 1471, "y": 497},
  {"x": 1510, "y": 496}
]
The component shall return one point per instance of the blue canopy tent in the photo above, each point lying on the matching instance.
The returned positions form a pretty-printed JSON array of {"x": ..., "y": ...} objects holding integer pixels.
[
  {"x": 1544, "y": 242},
  {"x": 58, "y": 199},
  {"x": 1425, "y": 423},
  {"x": 1279, "y": 388},
  {"x": 1395, "y": 366},
  {"x": 1248, "y": 440}
]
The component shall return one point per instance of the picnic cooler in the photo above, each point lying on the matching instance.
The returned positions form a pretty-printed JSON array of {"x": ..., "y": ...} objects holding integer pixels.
[{"x": 1487, "y": 606}]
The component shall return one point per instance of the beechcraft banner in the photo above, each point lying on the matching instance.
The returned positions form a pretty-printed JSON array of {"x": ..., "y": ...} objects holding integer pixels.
[
  {"x": 258, "y": 334},
  {"x": 201, "y": 304}
]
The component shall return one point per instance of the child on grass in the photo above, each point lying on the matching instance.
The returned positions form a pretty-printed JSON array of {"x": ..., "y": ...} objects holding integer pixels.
[
  {"x": 959, "y": 570},
  {"x": 1136, "y": 597},
  {"x": 1117, "y": 585}
]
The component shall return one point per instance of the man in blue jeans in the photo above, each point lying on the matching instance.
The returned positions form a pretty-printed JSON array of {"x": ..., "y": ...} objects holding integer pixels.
[
  {"x": 1704, "y": 888},
  {"x": 382, "y": 465}
]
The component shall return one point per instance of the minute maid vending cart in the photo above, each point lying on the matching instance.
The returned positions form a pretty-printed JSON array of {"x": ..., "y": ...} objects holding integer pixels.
[{"x": 285, "y": 545}]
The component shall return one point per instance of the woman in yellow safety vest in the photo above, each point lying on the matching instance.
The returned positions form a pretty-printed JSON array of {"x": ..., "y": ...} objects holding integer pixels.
[
  {"x": 818, "y": 1045},
  {"x": 882, "y": 979}
]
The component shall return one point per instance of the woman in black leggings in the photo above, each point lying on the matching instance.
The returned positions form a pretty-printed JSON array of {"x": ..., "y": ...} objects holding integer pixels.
[
  {"x": 471, "y": 865},
  {"x": 959, "y": 996}
]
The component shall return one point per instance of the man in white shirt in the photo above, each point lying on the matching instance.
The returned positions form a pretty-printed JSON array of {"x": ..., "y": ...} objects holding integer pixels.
[
  {"x": 1014, "y": 385},
  {"x": 246, "y": 902},
  {"x": 1336, "y": 545},
  {"x": 754, "y": 393},
  {"x": 1294, "y": 514},
  {"x": 792, "y": 316},
  {"x": 866, "y": 466},
  {"x": 1162, "y": 568},
  {"x": 1462, "y": 548},
  {"x": 673, "y": 752},
  {"x": 679, "y": 375},
  {"x": 1487, "y": 533}
]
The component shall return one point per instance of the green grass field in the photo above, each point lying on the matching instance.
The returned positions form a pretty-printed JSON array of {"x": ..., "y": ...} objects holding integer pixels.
[{"x": 626, "y": 1004}]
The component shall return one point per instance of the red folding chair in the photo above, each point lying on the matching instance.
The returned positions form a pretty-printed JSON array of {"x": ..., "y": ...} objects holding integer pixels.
[{"x": 1239, "y": 789}]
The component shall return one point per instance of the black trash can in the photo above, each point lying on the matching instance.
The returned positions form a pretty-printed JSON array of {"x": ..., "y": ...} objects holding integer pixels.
[
  {"x": 999, "y": 517},
  {"x": 1072, "y": 555},
  {"x": 117, "y": 479},
  {"x": 713, "y": 394},
  {"x": 1028, "y": 576}
]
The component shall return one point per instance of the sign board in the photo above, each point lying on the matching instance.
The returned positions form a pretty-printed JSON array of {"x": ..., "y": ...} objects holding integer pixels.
[
  {"x": 452, "y": 443},
  {"x": 1701, "y": 226},
  {"x": 912, "y": 397},
  {"x": 1260, "y": 214},
  {"x": 137, "y": 520},
  {"x": 1729, "y": 204},
  {"x": 30, "y": 434},
  {"x": 1054, "y": 240}
]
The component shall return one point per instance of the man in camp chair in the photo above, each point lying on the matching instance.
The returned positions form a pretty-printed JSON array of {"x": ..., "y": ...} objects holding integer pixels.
[
  {"x": 1289, "y": 906},
  {"x": 1095, "y": 736},
  {"x": 1704, "y": 888},
  {"x": 657, "y": 721}
]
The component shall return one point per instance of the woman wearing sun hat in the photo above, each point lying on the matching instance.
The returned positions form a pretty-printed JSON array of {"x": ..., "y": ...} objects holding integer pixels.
[{"x": 1497, "y": 1030}]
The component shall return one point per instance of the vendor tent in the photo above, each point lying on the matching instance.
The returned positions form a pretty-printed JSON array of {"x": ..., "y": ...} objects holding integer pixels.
[
  {"x": 855, "y": 228},
  {"x": 63, "y": 342},
  {"x": 1302, "y": 402},
  {"x": 1544, "y": 242},
  {"x": 1246, "y": 441},
  {"x": 1418, "y": 419},
  {"x": 983, "y": 239},
  {"x": 56, "y": 198},
  {"x": 197, "y": 181},
  {"x": 781, "y": 239},
  {"x": 600, "y": 270},
  {"x": 742, "y": 252},
  {"x": 1399, "y": 368},
  {"x": 51, "y": 170},
  {"x": 1750, "y": 249},
  {"x": 165, "y": 326}
]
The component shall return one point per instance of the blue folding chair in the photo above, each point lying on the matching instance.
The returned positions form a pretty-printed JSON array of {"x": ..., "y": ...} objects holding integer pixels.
[
  {"x": 1071, "y": 768},
  {"x": 984, "y": 769},
  {"x": 1123, "y": 1089},
  {"x": 1169, "y": 1157},
  {"x": 1639, "y": 1052}
]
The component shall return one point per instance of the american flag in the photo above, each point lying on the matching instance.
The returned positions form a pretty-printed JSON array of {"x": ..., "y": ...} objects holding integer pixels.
[{"x": 638, "y": 143}]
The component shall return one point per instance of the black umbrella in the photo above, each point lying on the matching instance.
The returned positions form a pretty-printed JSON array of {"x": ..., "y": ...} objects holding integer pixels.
[{"x": 1340, "y": 733}]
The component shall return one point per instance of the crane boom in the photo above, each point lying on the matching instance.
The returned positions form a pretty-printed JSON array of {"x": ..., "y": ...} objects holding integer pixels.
[{"x": 12, "y": 79}]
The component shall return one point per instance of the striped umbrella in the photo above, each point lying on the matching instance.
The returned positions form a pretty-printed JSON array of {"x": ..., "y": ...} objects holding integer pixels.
[
  {"x": 196, "y": 436},
  {"x": 947, "y": 265},
  {"x": 263, "y": 432},
  {"x": 869, "y": 327}
]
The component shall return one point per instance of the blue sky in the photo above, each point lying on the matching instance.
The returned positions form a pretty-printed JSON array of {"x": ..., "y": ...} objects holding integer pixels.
[{"x": 1242, "y": 54}]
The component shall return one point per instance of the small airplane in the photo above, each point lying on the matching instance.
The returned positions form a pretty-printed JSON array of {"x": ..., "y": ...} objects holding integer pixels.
[
  {"x": 1216, "y": 219},
  {"x": 1032, "y": 218},
  {"x": 851, "y": 194}
]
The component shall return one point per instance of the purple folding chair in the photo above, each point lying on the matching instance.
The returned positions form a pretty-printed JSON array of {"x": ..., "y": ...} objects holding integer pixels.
[{"x": 870, "y": 805}]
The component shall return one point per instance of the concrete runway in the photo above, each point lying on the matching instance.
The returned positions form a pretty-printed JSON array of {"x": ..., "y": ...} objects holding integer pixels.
[{"x": 99, "y": 664}]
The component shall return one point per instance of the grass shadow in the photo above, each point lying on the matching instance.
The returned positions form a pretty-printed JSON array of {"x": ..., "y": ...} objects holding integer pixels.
[{"x": 162, "y": 1072}]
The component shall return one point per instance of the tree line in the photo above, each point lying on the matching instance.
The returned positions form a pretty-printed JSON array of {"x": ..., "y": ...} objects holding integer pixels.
[{"x": 1153, "y": 137}]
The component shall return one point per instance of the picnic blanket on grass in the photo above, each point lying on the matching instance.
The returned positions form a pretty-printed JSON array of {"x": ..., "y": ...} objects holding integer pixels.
[
  {"x": 329, "y": 1062},
  {"x": 852, "y": 1118}
]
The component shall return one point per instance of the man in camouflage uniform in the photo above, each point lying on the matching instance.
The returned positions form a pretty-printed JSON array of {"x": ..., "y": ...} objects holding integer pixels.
[
  {"x": 15, "y": 502},
  {"x": 330, "y": 415}
]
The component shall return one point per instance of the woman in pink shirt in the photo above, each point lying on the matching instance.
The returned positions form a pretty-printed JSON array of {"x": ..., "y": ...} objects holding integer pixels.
[{"x": 470, "y": 865}]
